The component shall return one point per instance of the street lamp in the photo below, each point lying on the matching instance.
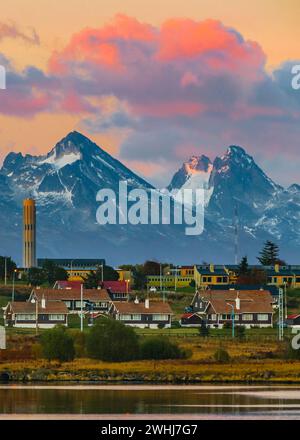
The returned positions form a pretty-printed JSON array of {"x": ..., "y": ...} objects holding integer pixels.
[
  {"x": 5, "y": 271},
  {"x": 232, "y": 318},
  {"x": 285, "y": 299},
  {"x": 71, "y": 269},
  {"x": 13, "y": 286},
  {"x": 160, "y": 276}
]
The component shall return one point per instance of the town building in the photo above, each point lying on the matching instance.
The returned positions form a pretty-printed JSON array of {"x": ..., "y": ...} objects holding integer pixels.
[
  {"x": 148, "y": 314},
  {"x": 125, "y": 275},
  {"x": 43, "y": 314},
  {"x": 172, "y": 278},
  {"x": 211, "y": 275},
  {"x": 293, "y": 321},
  {"x": 77, "y": 268},
  {"x": 217, "y": 307},
  {"x": 94, "y": 300},
  {"x": 117, "y": 290}
]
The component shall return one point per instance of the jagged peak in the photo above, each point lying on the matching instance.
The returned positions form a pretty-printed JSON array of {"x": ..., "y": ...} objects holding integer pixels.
[
  {"x": 197, "y": 163},
  {"x": 294, "y": 188}
]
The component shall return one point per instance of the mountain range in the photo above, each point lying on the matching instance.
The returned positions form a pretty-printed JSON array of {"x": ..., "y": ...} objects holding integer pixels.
[{"x": 65, "y": 182}]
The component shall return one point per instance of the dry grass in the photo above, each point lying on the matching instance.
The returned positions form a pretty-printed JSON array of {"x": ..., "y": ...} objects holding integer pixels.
[{"x": 248, "y": 363}]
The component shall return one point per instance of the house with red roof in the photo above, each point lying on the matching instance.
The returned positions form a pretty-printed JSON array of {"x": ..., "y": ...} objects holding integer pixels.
[
  {"x": 293, "y": 321},
  {"x": 42, "y": 314},
  {"x": 249, "y": 308},
  {"x": 148, "y": 314},
  {"x": 117, "y": 290},
  {"x": 94, "y": 300}
]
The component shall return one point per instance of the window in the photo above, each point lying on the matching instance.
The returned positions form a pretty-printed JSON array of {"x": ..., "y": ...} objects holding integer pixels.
[
  {"x": 212, "y": 317},
  {"x": 247, "y": 317},
  {"x": 68, "y": 303},
  {"x": 25, "y": 317},
  {"x": 262, "y": 317},
  {"x": 224, "y": 317},
  {"x": 136, "y": 317},
  {"x": 57, "y": 317},
  {"x": 125, "y": 317},
  {"x": 219, "y": 279},
  {"x": 236, "y": 317},
  {"x": 160, "y": 317},
  {"x": 78, "y": 304}
]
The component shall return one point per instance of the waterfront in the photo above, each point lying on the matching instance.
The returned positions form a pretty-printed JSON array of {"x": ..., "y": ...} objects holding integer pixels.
[{"x": 148, "y": 401}]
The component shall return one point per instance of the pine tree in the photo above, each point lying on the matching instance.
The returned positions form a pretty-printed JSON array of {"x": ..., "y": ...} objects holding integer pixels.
[
  {"x": 243, "y": 266},
  {"x": 269, "y": 254}
]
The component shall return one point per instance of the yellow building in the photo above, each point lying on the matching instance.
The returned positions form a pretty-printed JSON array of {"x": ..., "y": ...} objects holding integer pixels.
[
  {"x": 211, "y": 275},
  {"x": 168, "y": 281},
  {"x": 125, "y": 275},
  {"x": 283, "y": 275}
]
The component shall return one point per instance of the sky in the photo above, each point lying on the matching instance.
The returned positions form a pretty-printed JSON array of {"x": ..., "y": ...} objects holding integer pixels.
[{"x": 154, "y": 82}]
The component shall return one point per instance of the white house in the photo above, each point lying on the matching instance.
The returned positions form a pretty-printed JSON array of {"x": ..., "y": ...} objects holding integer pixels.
[
  {"x": 142, "y": 314},
  {"x": 36, "y": 314}
]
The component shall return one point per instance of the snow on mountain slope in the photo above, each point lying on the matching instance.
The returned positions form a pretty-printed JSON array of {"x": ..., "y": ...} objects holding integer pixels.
[
  {"x": 194, "y": 174},
  {"x": 65, "y": 182}
]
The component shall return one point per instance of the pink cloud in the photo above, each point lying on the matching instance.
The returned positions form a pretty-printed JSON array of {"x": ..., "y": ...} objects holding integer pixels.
[{"x": 100, "y": 46}]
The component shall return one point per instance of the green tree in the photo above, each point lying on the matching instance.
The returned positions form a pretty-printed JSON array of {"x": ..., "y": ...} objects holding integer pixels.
[
  {"x": 10, "y": 266},
  {"x": 243, "y": 268},
  {"x": 112, "y": 341},
  {"x": 203, "y": 329},
  {"x": 109, "y": 273},
  {"x": 151, "y": 268},
  {"x": 139, "y": 277},
  {"x": 158, "y": 347},
  {"x": 240, "y": 332},
  {"x": 57, "y": 344},
  {"x": 94, "y": 278},
  {"x": 54, "y": 272},
  {"x": 36, "y": 276},
  {"x": 269, "y": 255}
]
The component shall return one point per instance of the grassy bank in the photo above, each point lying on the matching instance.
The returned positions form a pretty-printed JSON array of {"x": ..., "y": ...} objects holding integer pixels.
[{"x": 248, "y": 363}]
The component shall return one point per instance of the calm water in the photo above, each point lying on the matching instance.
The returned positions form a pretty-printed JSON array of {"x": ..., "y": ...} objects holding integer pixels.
[{"x": 158, "y": 401}]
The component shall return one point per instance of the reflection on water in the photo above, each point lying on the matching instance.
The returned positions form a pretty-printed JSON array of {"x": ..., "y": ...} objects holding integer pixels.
[{"x": 217, "y": 400}]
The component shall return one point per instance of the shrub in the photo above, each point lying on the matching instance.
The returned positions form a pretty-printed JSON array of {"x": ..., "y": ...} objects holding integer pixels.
[
  {"x": 227, "y": 324},
  {"x": 240, "y": 332},
  {"x": 58, "y": 344},
  {"x": 160, "y": 348},
  {"x": 79, "y": 342},
  {"x": 221, "y": 355},
  {"x": 175, "y": 324},
  {"x": 289, "y": 352},
  {"x": 204, "y": 330},
  {"x": 112, "y": 341}
]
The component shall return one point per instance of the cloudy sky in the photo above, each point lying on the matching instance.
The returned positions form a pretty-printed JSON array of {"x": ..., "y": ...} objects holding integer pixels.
[{"x": 154, "y": 82}]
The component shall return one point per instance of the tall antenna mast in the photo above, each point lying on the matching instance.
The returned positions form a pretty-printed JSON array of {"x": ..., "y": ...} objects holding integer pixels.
[{"x": 236, "y": 235}]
